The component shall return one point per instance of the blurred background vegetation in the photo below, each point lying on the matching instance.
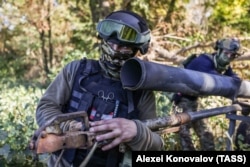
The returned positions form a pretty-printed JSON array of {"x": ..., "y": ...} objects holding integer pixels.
[{"x": 38, "y": 37}]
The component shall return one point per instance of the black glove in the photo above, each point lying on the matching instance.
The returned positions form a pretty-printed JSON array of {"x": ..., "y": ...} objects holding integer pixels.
[{"x": 176, "y": 98}]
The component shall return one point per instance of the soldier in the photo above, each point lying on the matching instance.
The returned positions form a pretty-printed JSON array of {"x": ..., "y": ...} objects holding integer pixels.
[
  {"x": 94, "y": 86},
  {"x": 216, "y": 63}
]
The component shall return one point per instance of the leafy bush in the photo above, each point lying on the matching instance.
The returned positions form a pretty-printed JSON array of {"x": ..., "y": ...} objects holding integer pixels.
[{"x": 17, "y": 124}]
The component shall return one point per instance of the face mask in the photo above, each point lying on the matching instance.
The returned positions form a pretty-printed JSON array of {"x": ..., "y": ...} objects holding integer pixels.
[
  {"x": 223, "y": 59},
  {"x": 111, "y": 61}
]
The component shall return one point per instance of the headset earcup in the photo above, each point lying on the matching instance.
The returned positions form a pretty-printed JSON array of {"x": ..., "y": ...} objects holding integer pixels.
[{"x": 144, "y": 48}]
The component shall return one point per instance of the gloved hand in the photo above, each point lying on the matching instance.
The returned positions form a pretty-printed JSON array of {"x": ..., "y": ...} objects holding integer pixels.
[{"x": 176, "y": 98}]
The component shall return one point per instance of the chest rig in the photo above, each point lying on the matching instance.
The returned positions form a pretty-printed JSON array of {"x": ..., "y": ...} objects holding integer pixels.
[{"x": 100, "y": 96}]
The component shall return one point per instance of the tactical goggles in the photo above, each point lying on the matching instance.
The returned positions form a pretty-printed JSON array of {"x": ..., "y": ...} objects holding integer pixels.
[{"x": 125, "y": 33}]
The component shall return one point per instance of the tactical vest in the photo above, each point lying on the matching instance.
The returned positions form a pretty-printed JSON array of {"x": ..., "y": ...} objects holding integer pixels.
[
  {"x": 101, "y": 97},
  {"x": 192, "y": 57},
  {"x": 188, "y": 60}
]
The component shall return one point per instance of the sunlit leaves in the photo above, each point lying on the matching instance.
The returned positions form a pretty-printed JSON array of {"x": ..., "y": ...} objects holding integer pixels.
[{"x": 17, "y": 112}]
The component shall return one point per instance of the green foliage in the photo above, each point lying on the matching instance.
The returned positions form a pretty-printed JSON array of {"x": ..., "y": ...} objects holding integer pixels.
[
  {"x": 17, "y": 124},
  {"x": 172, "y": 141},
  {"x": 233, "y": 14},
  {"x": 163, "y": 103},
  {"x": 243, "y": 146}
]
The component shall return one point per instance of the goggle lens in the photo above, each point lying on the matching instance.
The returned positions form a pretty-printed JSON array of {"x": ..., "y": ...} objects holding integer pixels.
[
  {"x": 124, "y": 32},
  {"x": 128, "y": 34}
]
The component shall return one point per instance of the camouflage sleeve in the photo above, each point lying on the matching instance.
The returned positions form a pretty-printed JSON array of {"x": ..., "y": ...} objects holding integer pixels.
[
  {"x": 145, "y": 139},
  {"x": 56, "y": 95}
]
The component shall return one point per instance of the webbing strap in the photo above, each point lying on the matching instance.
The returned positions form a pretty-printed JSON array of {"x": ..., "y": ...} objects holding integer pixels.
[
  {"x": 131, "y": 106},
  {"x": 84, "y": 73}
]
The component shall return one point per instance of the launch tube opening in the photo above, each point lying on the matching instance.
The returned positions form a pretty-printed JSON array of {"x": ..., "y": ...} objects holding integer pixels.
[{"x": 131, "y": 74}]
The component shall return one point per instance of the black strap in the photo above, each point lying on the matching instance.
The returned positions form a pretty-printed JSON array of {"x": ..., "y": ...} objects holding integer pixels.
[
  {"x": 131, "y": 105},
  {"x": 84, "y": 73}
]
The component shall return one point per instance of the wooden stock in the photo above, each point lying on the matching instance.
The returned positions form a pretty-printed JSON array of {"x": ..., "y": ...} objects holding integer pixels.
[{"x": 49, "y": 143}]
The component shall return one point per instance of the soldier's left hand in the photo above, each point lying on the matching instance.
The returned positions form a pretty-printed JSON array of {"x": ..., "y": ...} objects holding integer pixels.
[{"x": 120, "y": 130}]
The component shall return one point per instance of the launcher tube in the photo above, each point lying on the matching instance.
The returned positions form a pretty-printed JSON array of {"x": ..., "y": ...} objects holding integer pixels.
[{"x": 139, "y": 74}]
